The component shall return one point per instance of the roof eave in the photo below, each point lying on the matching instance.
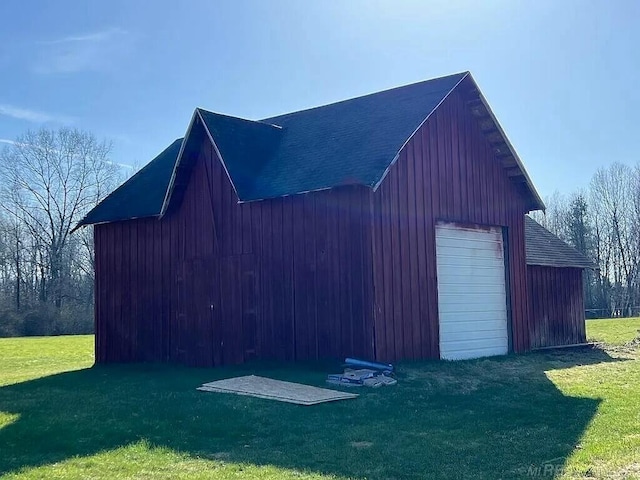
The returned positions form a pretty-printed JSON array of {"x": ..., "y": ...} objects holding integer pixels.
[
  {"x": 167, "y": 196},
  {"x": 567, "y": 265},
  {"x": 538, "y": 203}
]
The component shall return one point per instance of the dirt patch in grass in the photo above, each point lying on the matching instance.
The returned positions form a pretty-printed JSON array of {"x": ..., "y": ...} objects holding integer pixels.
[
  {"x": 361, "y": 445},
  {"x": 465, "y": 378},
  {"x": 627, "y": 472},
  {"x": 628, "y": 350}
]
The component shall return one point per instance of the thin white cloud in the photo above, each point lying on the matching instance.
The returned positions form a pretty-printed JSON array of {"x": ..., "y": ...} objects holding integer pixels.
[
  {"x": 93, "y": 51},
  {"x": 30, "y": 115},
  {"x": 8, "y": 142},
  {"x": 100, "y": 36},
  {"x": 121, "y": 165}
]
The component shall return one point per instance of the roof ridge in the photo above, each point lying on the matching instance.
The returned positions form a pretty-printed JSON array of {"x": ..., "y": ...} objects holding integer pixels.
[
  {"x": 286, "y": 114},
  {"x": 259, "y": 122}
]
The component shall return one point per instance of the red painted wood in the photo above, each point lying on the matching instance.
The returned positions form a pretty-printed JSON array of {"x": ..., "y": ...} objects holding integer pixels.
[
  {"x": 557, "y": 306},
  {"x": 334, "y": 273},
  {"x": 449, "y": 172},
  {"x": 289, "y": 278}
]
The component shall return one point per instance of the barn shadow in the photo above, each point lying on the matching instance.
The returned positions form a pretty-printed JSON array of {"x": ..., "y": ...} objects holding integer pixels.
[{"x": 463, "y": 420}]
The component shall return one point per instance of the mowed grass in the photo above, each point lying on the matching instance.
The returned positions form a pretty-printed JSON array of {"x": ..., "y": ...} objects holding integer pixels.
[
  {"x": 613, "y": 331},
  {"x": 564, "y": 414}
]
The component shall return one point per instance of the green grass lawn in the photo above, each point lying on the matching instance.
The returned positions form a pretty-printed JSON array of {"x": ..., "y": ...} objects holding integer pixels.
[
  {"x": 613, "y": 331},
  {"x": 568, "y": 414}
]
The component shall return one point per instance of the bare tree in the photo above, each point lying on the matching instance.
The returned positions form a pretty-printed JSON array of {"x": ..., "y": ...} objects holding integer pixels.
[
  {"x": 48, "y": 180},
  {"x": 616, "y": 227},
  {"x": 555, "y": 217}
]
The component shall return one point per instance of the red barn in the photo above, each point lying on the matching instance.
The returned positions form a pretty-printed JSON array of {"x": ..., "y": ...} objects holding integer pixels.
[{"x": 389, "y": 226}]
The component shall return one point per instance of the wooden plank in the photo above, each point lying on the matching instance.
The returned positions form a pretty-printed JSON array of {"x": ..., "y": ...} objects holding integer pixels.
[
  {"x": 357, "y": 280},
  {"x": 98, "y": 288},
  {"x": 455, "y": 185},
  {"x": 260, "y": 278},
  {"x": 300, "y": 281},
  {"x": 431, "y": 207},
  {"x": 463, "y": 162},
  {"x": 279, "y": 329},
  {"x": 386, "y": 224},
  {"x": 367, "y": 260},
  {"x": 415, "y": 293},
  {"x": 406, "y": 259},
  {"x": 227, "y": 220},
  {"x": 247, "y": 234},
  {"x": 249, "y": 307},
  {"x": 344, "y": 328},
  {"x": 165, "y": 285},
  {"x": 310, "y": 281},
  {"x": 323, "y": 283},
  {"x": 123, "y": 327},
  {"x": 396, "y": 246},
  {"x": 268, "y": 327},
  {"x": 236, "y": 220},
  {"x": 441, "y": 158},
  {"x": 421, "y": 348},
  {"x": 286, "y": 244},
  {"x": 124, "y": 287},
  {"x": 333, "y": 268}
]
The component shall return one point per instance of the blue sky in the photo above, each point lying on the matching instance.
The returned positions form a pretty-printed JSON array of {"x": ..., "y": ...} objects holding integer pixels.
[{"x": 561, "y": 76}]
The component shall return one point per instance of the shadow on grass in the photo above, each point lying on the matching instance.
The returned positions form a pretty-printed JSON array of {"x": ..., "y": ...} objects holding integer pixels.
[{"x": 487, "y": 418}]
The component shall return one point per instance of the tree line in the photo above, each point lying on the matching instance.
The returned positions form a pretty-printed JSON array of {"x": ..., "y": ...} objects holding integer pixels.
[
  {"x": 48, "y": 182},
  {"x": 603, "y": 222},
  {"x": 50, "y": 179}
]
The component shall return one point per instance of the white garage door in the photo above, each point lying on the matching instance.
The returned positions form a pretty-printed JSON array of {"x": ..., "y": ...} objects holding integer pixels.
[{"x": 471, "y": 292}]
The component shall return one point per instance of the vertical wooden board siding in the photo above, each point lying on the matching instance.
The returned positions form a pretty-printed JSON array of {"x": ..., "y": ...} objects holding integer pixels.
[
  {"x": 310, "y": 273},
  {"x": 269, "y": 276},
  {"x": 396, "y": 273},
  {"x": 322, "y": 281},
  {"x": 99, "y": 337},
  {"x": 404, "y": 232},
  {"x": 446, "y": 172},
  {"x": 377, "y": 265},
  {"x": 300, "y": 279},
  {"x": 333, "y": 245},
  {"x": 286, "y": 245},
  {"x": 279, "y": 330},
  {"x": 428, "y": 166},
  {"x": 343, "y": 329},
  {"x": 125, "y": 312},
  {"x": 368, "y": 274},
  {"x": 556, "y": 306},
  {"x": 516, "y": 304},
  {"x": 383, "y": 332},
  {"x": 420, "y": 317},
  {"x": 462, "y": 153}
]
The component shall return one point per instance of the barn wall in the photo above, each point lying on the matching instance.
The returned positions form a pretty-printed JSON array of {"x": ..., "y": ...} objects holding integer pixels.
[
  {"x": 557, "y": 306},
  {"x": 217, "y": 282},
  {"x": 304, "y": 287},
  {"x": 140, "y": 302},
  {"x": 447, "y": 171}
]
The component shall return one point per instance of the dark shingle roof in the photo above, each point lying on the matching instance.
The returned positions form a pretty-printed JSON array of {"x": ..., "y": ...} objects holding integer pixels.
[
  {"x": 142, "y": 194},
  {"x": 344, "y": 143},
  {"x": 544, "y": 248},
  {"x": 349, "y": 142},
  {"x": 245, "y": 147}
]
